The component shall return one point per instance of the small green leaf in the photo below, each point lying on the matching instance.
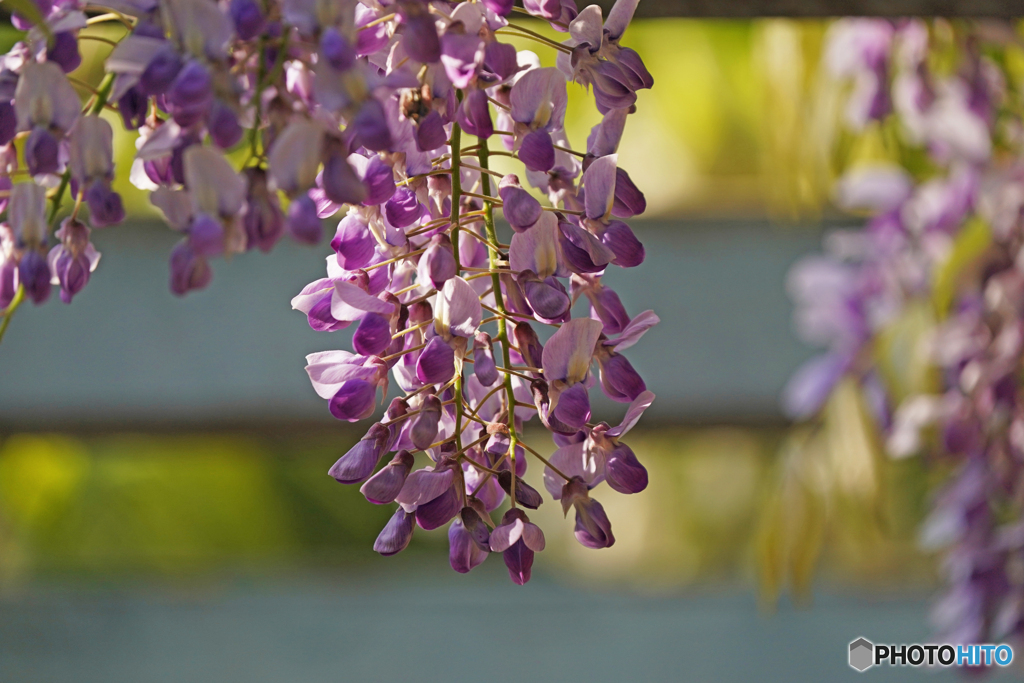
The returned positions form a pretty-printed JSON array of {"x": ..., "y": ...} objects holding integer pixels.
[
  {"x": 971, "y": 242},
  {"x": 902, "y": 354}
]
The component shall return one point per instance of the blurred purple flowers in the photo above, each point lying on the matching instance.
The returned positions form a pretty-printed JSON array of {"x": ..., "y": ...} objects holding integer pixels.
[{"x": 923, "y": 308}]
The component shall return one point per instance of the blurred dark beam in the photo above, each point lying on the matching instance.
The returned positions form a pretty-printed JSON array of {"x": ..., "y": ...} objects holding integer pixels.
[{"x": 822, "y": 8}]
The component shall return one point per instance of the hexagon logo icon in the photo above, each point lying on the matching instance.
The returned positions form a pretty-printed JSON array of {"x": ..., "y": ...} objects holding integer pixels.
[{"x": 861, "y": 654}]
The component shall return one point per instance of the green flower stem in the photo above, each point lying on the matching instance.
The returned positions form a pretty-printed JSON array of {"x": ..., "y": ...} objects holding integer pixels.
[
  {"x": 8, "y": 312},
  {"x": 483, "y": 155},
  {"x": 454, "y": 219}
]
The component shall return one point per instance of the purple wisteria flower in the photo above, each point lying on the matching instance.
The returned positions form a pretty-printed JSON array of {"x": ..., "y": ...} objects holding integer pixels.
[
  {"x": 257, "y": 120},
  {"x": 922, "y": 308}
]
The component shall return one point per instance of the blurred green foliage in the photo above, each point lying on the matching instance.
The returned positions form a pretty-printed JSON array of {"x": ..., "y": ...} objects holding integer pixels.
[{"x": 122, "y": 506}]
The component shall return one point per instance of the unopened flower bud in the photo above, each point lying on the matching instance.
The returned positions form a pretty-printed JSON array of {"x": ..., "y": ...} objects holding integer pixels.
[
  {"x": 526, "y": 495},
  {"x": 424, "y": 425},
  {"x": 521, "y": 209},
  {"x": 303, "y": 220},
  {"x": 191, "y": 94},
  {"x": 438, "y": 262},
  {"x": 537, "y": 151},
  {"x": 385, "y": 486},
  {"x": 41, "y": 152},
  {"x": 529, "y": 345},
  {"x": 618, "y": 378},
  {"x": 373, "y": 335},
  {"x": 593, "y": 529},
  {"x": 624, "y": 472},
  {"x": 225, "y": 131},
  {"x": 629, "y": 200},
  {"x": 354, "y": 400},
  {"x": 189, "y": 270},
  {"x": 34, "y": 274},
  {"x": 353, "y": 243},
  {"x": 465, "y": 551},
  {"x": 439, "y": 511},
  {"x": 247, "y": 17},
  {"x": 64, "y": 51},
  {"x": 573, "y": 407},
  {"x": 403, "y": 208},
  {"x": 396, "y": 534},
  {"x": 436, "y": 364},
  {"x": 483, "y": 360},
  {"x": 359, "y": 462},
  {"x": 475, "y": 114},
  {"x": 105, "y": 205},
  {"x": 517, "y": 539},
  {"x": 628, "y": 250},
  {"x": 547, "y": 297}
]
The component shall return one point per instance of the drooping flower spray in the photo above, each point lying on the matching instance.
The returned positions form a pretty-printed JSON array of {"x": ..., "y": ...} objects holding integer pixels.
[
  {"x": 260, "y": 119},
  {"x": 921, "y": 310}
]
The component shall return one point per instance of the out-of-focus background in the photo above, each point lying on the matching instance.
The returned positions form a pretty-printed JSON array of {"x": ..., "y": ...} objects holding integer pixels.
[{"x": 165, "y": 512}]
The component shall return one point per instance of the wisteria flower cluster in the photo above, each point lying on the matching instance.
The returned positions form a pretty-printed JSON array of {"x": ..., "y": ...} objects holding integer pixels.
[
  {"x": 258, "y": 118},
  {"x": 924, "y": 307}
]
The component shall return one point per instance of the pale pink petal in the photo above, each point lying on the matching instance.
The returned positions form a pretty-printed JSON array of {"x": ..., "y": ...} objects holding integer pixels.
[
  {"x": 423, "y": 486},
  {"x": 200, "y": 26},
  {"x": 506, "y": 535},
  {"x": 619, "y": 17},
  {"x": 471, "y": 16},
  {"x": 175, "y": 204},
  {"x": 539, "y": 97},
  {"x": 328, "y": 369},
  {"x": 569, "y": 460},
  {"x": 604, "y": 137},
  {"x": 536, "y": 249},
  {"x": 349, "y": 302},
  {"x": 533, "y": 537},
  {"x": 133, "y": 54},
  {"x": 312, "y": 294},
  {"x": 587, "y": 26},
  {"x": 599, "y": 185},
  {"x": 216, "y": 188},
  {"x": 26, "y": 211},
  {"x": 568, "y": 353},
  {"x": 633, "y": 413},
  {"x": 636, "y": 329},
  {"x": 295, "y": 156},
  {"x": 160, "y": 143},
  {"x": 90, "y": 149},
  {"x": 45, "y": 97},
  {"x": 458, "y": 309}
]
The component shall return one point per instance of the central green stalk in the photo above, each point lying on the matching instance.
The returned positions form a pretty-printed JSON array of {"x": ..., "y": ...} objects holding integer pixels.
[
  {"x": 499, "y": 302},
  {"x": 456, "y": 143}
]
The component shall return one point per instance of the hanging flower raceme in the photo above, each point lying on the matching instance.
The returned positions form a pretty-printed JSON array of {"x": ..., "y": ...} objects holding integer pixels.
[
  {"x": 257, "y": 120},
  {"x": 920, "y": 310}
]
